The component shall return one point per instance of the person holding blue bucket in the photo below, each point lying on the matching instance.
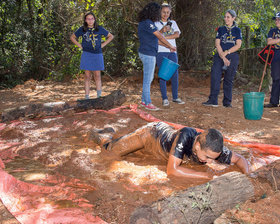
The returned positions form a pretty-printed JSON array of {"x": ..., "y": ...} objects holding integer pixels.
[
  {"x": 228, "y": 41},
  {"x": 274, "y": 38},
  {"x": 171, "y": 32},
  {"x": 148, "y": 37}
]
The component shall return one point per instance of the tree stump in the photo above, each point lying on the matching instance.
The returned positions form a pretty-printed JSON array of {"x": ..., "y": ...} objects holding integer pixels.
[
  {"x": 200, "y": 204},
  {"x": 116, "y": 98}
]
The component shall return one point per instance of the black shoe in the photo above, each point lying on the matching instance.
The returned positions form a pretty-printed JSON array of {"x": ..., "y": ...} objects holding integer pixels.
[
  {"x": 228, "y": 105},
  {"x": 270, "y": 105},
  {"x": 209, "y": 104}
]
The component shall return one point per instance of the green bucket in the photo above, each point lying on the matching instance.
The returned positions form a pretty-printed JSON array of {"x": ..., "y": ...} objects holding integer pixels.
[{"x": 253, "y": 105}]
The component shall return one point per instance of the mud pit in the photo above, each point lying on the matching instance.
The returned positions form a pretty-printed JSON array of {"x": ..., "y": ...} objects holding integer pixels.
[{"x": 47, "y": 147}]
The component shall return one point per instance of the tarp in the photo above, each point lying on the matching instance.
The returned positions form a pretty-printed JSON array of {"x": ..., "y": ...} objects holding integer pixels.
[{"x": 33, "y": 203}]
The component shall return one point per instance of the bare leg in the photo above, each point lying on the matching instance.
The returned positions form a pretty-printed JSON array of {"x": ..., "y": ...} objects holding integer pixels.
[
  {"x": 87, "y": 81},
  {"x": 97, "y": 79}
]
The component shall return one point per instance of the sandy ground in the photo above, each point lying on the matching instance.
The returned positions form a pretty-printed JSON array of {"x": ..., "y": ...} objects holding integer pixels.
[{"x": 194, "y": 89}]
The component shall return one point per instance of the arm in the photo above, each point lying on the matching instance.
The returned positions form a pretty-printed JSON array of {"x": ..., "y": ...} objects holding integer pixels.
[
  {"x": 272, "y": 41},
  {"x": 174, "y": 168},
  {"x": 164, "y": 41},
  {"x": 240, "y": 162},
  {"x": 223, "y": 54},
  {"x": 73, "y": 38},
  {"x": 109, "y": 38},
  {"x": 172, "y": 36}
]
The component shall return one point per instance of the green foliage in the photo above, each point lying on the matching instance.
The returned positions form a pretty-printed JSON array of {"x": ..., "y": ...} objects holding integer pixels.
[{"x": 34, "y": 34}]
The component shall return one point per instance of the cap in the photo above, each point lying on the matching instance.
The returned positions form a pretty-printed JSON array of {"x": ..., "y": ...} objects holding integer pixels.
[{"x": 277, "y": 15}]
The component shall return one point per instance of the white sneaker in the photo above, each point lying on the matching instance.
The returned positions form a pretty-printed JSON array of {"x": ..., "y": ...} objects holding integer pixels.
[
  {"x": 178, "y": 100},
  {"x": 165, "y": 103}
]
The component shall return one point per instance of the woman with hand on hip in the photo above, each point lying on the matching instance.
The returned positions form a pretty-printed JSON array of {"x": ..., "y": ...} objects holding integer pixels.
[
  {"x": 228, "y": 41},
  {"x": 171, "y": 32},
  {"x": 149, "y": 36},
  {"x": 92, "y": 57}
]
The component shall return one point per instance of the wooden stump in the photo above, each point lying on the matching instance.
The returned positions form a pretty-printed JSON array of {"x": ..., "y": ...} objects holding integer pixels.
[
  {"x": 200, "y": 204},
  {"x": 116, "y": 98}
]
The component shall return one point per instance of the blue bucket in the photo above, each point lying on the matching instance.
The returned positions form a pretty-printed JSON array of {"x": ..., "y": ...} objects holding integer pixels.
[
  {"x": 253, "y": 105},
  {"x": 167, "y": 69}
]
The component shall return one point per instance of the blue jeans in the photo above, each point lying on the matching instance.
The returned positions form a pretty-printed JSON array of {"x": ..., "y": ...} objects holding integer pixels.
[
  {"x": 216, "y": 75},
  {"x": 149, "y": 64},
  {"x": 174, "y": 79}
]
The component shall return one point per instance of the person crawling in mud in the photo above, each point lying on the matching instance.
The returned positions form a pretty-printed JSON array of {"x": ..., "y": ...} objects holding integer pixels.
[{"x": 164, "y": 141}]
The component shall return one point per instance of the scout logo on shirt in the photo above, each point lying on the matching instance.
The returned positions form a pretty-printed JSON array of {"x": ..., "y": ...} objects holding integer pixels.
[
  {"x": 152, "y": 26},
  {"x": 228, "y": 38},
  {"x": 277, "y": 36},
  {"x": 89, "y": 36},
  {"x": 180, "y": 147}
]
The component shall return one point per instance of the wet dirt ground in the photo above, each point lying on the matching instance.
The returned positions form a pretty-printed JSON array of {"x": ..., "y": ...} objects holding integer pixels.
[{"x": 56, "y": 144}]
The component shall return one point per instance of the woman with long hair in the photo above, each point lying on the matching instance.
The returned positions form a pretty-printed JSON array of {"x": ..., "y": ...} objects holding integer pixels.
[{"x": 149, "y": 36}]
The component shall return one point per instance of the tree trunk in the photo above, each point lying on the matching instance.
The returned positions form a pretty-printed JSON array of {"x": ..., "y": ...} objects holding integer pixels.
[
  {"x": 200, "y": 204},
  {"x": 116, "y": 98},
  {"x": 204, "y": 203}
]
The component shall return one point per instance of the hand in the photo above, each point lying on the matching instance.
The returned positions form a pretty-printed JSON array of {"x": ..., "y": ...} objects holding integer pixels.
[
  {"x": 102, "y": 45},
  {"x": 226, "y": 61},
  {"x": 173, "y": 49}
]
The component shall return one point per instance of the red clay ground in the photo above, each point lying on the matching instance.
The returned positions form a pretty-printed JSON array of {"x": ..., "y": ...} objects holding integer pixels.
[{"x": 114, "y": 203}]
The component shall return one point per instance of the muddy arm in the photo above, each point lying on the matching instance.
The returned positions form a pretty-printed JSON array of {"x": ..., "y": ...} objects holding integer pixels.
[
  {"x": 240, "y": 162},
  {"x": 174, "y": 168}
]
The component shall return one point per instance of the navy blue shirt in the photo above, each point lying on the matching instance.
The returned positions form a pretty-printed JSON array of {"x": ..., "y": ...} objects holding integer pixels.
[
  {"x": 276, "y": 33},
  {"x": 185, "y": 143},
  {"x": 92, "y": 39},
  {"x": 148, "y": 41},
  {"x": 183, "y": 147},
  {"x": 228, "y": 36}
]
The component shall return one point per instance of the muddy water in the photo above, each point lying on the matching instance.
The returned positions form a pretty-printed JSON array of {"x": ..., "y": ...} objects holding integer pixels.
[{"x": 37, "y": 149}]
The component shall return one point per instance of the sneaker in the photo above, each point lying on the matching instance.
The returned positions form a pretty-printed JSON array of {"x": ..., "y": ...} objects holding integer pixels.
[
  {"x": 149, "y": 106},
  {"x": 142, "y": 104},
  {"x": 165, "y": 103},
  {"x": 178, "y": 100},
  {"x": 228, "y": 105},
  {"x": 94, "y": 136},
  {"x": 209, "y": 104},
  {"x": 270, "y": 105}
]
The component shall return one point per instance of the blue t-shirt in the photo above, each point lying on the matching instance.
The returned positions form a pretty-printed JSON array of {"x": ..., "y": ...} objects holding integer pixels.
[
  {"x": 148, "y": 41},
  {"x": 92, "y": 39},
  {"x": 228, "y": 36}
]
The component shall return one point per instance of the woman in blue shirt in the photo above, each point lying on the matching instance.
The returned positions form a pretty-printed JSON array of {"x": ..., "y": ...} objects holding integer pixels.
[
  {"x": 148, "y": 37},
  {"x": 228, "y": 41},
  {"x": 92, "y": 57}
]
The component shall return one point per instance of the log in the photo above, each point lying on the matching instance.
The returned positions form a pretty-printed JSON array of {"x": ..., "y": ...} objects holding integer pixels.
[
  {"x": 205, "y": 203},
  {"x": 116, "y": 98},
  {"x": 199, "y": 204}
]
